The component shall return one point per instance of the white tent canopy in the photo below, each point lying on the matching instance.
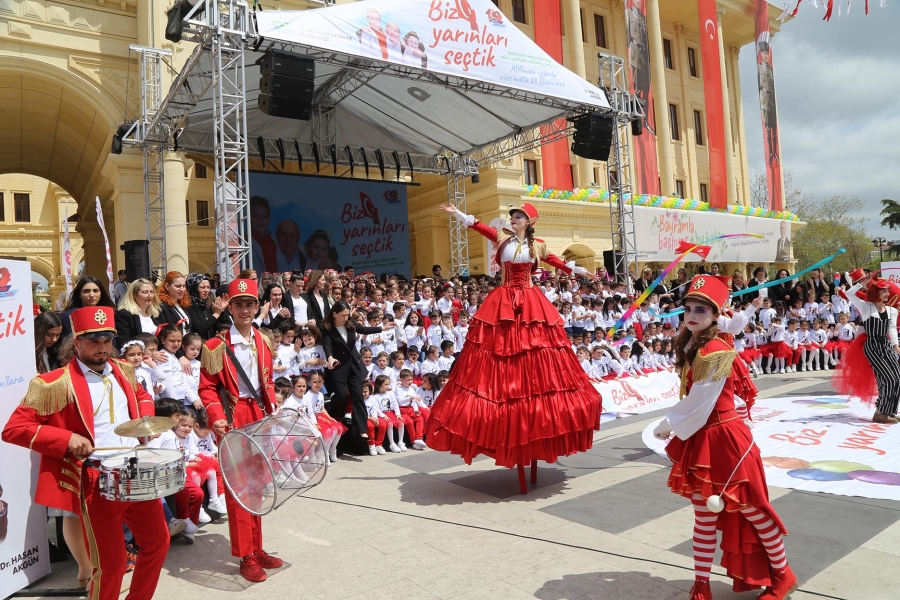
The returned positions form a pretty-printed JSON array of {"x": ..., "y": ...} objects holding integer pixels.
[{"x": 402, "y": 77}]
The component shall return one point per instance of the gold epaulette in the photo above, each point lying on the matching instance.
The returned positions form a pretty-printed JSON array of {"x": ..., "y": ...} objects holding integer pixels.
[
  {"x": 212, "y": 359},
  {"x": 128, "y": 371},
  {"x": 714, "y": 365},
  {"x": 49, "y": 397}
]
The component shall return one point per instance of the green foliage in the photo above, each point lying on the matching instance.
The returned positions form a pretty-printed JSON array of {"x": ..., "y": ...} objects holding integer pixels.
[
  {"x": 890, "y": 212},
  {"x": 44, "y": 304},
  {"x": 831, "y": 224}
]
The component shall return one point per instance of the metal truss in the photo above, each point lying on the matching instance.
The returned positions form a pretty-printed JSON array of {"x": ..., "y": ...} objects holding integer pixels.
[
  {"x": 459, "y": 233},
  {"x": 625, "y": 108}
]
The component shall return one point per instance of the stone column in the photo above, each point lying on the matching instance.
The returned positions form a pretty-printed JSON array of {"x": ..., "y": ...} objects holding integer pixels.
[
  {"x": 664, "y": 150},
  {"x": 744, "y": 169},
  {"x": 584, "y": 167},
  {"x": 693, "y": 180},
  {"x": 125, "y": 174},
  {"x": 175, "y": 187},
  {"x": 94, "y": 249},
  {"x": 726, "y": 112}
]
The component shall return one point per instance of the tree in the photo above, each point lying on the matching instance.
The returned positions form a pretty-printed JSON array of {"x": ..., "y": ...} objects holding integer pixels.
[
  {"x": 759, "y": 189},
  {"x": 890, "y": 213},
  {"x": 831, "y": 224}
]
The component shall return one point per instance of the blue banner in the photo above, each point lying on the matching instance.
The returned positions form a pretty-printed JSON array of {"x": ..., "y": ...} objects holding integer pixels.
[{"x": 302, "y": 223}]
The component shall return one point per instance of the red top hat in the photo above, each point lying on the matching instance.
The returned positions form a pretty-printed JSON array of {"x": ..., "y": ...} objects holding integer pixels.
[
  {"x": 94, "y": 321},
  {"x": 726, "y": 279},
  {"x": 529, "y": 210},
  {"x": 709, "y": 289},
  {"x": 857, "y": 275},
  {"x": 243, "y": 288}
]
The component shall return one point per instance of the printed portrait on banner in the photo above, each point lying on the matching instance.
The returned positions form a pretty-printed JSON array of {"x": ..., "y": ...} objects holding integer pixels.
[
  {"x": 767, "y": 106},
  {"x": 646, "y": 162}
]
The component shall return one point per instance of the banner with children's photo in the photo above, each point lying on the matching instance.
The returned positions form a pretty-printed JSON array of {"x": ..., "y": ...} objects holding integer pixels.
[
  {"x": 305, "y": 223},
  {"x": 637, "y": 395},
  {"x": 464, "y": 38},
  {"x": 24, "y": 556}
]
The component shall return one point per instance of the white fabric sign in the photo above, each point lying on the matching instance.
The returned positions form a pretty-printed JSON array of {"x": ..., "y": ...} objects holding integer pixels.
[
  {"x": 891, "y": 271},
  {"x": 658, "y": 232},
  {"x": 493, "y": 267},
  {"x": 24, "y": 556},
  {"x": 464, "y": 38},
  {"x": 822, "y": 444},
  {"x": 637, "y": 395}
]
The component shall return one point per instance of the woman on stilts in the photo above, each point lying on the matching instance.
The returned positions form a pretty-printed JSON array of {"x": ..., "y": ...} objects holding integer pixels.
[
  {"x": 516, "y": 393},
  {"x": 869, "y": 369},
  {"x": 716, "y": 463}
]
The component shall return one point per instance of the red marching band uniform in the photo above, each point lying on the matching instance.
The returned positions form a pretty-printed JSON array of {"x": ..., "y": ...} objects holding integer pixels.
[
  {"x": 516, "y": 392},
  {"x": 217, "y": 373},
  {"x": 60, "y": 403},
  {"x": 714, "y": 455}
]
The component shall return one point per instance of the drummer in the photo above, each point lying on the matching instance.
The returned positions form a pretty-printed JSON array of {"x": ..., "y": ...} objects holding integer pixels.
[
  {"x": 64, "y": 416},
  {"x": 245, "y": 405}
]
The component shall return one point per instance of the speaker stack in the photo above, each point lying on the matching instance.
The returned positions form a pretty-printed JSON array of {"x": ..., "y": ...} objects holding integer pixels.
[
  {"x": 593, "y": 136},
  {"x": 137, "y": 259},
  {"x": 286, "y": 85}
]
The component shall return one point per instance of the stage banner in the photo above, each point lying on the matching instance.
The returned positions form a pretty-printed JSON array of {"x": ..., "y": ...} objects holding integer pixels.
[
  {"x": 67, "y": 253},
  {"x": 24, "y": 556},
  {"x": 658, "y": 231},
  {"x": 766, "y": 79},
  {"x": 822, "y": 444},
  {"x": 890, "y": 270},
  {"x": 712, "y": 94},
  {"x": 463, "y": 38},
  {"x": 305, "y": 223},
  {"x": 109, "y": 268},
  {"x": 493, "y": 268},
  {"x": 646, "y": 163},
  {"x": 637, "y": 395}
]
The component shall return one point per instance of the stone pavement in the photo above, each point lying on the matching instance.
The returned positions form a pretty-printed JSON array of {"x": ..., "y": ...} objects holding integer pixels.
[{"x": 598, "y": 525}]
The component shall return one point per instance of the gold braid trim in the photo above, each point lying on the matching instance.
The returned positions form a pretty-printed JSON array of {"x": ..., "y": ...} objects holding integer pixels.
[
  {"x": 213, "y": 359},
  {"x": 540, "y": 249},
  {"x": 48, "y": 398},
  {"x": 714, "y": 365},
  {"x": 128, "y": 371}
]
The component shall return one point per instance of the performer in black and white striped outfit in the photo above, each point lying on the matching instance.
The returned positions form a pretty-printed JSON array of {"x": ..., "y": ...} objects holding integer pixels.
[{"x": 880, "y": 346}]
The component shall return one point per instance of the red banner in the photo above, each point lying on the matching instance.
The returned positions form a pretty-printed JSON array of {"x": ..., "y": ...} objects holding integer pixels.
[
  {"x": 646, "y": 164},
  {"x": 766, "y": 78},
  {"x": 712, "y": 92},
  {"x": 555, "y": 166}
]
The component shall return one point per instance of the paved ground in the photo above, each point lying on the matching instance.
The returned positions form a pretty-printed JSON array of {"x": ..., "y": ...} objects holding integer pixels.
[{"x": 599, "y": 525}]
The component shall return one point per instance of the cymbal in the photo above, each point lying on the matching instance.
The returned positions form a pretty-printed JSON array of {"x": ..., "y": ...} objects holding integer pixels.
[{"x": 144, "y": 427}]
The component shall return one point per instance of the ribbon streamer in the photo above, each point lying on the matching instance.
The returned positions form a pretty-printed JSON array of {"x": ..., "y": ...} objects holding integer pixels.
[
  {"x": 685, "y": 248},
  {"x": 768, "y": 284}
]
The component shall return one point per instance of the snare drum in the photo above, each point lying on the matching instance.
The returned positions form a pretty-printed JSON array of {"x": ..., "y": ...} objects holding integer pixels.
[
  {"x": 141, "y": 474},
  {"x": 266, "y": 463}
]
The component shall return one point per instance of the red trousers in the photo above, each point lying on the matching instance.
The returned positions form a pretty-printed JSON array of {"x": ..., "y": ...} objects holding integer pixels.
[
  {"x": 376, "y": 432},
  {"x": 426, "y": 412},
  {"x": 244, "y": 528},
  {"x": 189, "y": 501},
  {"x": 414, "y": 422},
  {"x": 102, "y": 524}
]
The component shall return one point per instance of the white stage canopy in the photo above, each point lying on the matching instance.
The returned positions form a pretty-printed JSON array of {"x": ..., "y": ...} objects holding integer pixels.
[{"x": 412, "y": 76}]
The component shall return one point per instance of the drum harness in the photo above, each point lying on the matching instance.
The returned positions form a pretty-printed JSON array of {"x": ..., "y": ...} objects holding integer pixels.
[{"x": 226, "y": 404}]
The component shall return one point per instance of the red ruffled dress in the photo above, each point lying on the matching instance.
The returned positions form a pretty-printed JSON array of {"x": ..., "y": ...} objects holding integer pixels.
[
  {"x": 516, "y": 392},
  {"x": 703, "y": 463}
]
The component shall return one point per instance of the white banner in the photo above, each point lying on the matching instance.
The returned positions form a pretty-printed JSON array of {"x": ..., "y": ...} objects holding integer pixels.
[
  {"x": 67, "y": 252},
  {"x": 24, "y": 556},
  {"x": 464, "y": 38},
  {"x": 822, "y": 444},
  {"x": 109, "y": 269},
  {"x": 493, "y": 267},
  {"x": 659, "y": 231},
  {"x": 637, "y": 395},
  {"x": 891, "y": 271}
]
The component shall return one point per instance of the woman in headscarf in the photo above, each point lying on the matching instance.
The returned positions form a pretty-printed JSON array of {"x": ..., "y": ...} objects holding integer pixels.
[{"x": 204, "y": 311}]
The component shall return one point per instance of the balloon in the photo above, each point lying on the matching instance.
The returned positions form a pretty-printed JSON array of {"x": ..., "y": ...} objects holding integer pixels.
[
  {"x": 817, "y": 475},
  {"x": 839, "y": 466},
  {"x": 878, "y": 477},
  {"x": 783, "y": 462},
  {"x": 806, "y": 402},
  {"x": 828, "y": 406}
]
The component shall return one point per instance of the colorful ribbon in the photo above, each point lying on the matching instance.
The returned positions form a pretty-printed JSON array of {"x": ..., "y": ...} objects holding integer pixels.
[{"x": 685, "y": 248}]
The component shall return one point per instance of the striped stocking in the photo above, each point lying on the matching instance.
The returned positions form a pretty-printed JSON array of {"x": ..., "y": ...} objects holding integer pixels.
[
  {"x": 769, "y": 535},
  {"x": 704, "y": 537}
]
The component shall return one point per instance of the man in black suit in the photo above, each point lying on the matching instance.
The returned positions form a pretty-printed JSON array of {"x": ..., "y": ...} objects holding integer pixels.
[
  {"x": 783, "y": 252},
  {"x": 346, "y": 372}
]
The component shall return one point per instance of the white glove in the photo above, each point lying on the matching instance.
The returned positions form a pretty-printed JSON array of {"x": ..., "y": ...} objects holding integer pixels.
[{"x": 663, "y": 430}]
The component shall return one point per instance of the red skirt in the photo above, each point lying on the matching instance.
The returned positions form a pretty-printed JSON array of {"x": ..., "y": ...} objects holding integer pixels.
[
  {"x": 516, "y": 392},
  {"x": 702, "y": 464},
  {"x": 781, "y": 350},
  {"x": 749, "y": 355},
  {"x": 841, "y": 346},
  {"x": 326, "y": 424},
  {"x": 766, "y": 349},
  {"x": 854, "y": 375}
]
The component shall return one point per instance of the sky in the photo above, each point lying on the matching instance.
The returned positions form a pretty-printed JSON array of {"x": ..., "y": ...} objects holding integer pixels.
[{"x": 838, "y": 91}]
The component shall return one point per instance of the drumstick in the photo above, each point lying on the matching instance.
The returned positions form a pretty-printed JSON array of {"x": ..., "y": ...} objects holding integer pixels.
[{"x": 105, "y": 448}]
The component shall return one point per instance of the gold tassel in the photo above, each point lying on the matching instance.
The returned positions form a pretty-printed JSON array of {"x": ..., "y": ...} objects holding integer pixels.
[
  {"x": 213, "y": 359},
  {"x": 714, "y": 365},
  {"x": 48, "y": 398},
  {"x": 128, "y": 371}
]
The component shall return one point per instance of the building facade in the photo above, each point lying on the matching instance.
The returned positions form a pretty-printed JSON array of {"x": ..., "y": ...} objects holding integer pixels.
[{"x": 68, "y": 79}]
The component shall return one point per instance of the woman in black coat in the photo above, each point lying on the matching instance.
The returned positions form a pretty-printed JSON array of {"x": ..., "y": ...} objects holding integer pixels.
[
  {"x": 346, "y": 372},
  {"x": 202, "y": 313},
  {"x": 783, "y": 292},
  {"x": 139, "y": 312},
  {"x": 317, "y": 301}
]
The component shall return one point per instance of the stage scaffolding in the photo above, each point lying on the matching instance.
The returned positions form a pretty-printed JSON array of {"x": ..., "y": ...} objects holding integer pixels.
[{"x": 223, "y": 31}]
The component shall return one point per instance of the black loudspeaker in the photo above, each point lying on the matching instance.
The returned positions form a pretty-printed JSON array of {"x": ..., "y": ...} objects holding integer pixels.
[
  {"x": 286, "y": 85},
  {"x": 137, "y": 259},
  {"x": 593, "y": 136},
  {"x": 610, "y": 263},
  {"x": 637, "y": 127}
]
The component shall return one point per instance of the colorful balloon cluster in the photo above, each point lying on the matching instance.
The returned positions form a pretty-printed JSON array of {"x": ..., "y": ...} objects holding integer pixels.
[{"x": 654, "y": 201}]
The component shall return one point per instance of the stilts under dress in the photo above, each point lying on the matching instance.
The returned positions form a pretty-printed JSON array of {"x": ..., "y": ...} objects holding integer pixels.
[{"x": 516, "y": 393}]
